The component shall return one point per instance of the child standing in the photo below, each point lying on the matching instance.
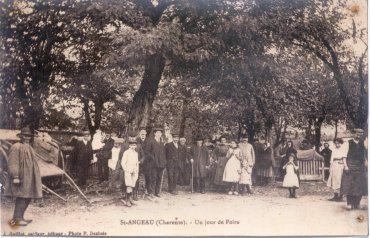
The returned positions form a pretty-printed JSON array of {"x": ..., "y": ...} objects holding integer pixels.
[
  {"x": 130, "y": 165},
  {"x": 233, "y": 167},
  {"x": 291, "y": 180}
]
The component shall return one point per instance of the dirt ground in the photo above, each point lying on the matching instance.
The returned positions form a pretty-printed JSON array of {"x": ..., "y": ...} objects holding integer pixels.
[{"x": 267, "y": 212}]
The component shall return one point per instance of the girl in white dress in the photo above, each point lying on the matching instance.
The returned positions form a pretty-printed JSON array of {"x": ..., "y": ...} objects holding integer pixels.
[
  {"x": 233, "y": 167},
  {"x": 291, "y": 180}
]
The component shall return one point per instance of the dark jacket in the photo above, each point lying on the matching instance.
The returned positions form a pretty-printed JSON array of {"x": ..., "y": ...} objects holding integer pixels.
[
  {"x": 201, "y": 159},
  {"x": 155, "y": 152},
  {"x": 172, "y": 154},
  {"x": 22, "y": 164},
  {"x": 107, "y": 148},
  {"x": 184, "y": 156},
  {"x": 84, "y": 154},
  {"x": 326, "y": 153}
]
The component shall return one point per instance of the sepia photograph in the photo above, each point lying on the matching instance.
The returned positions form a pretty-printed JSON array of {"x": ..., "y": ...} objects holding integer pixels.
[{"x": 184, "y": 118}]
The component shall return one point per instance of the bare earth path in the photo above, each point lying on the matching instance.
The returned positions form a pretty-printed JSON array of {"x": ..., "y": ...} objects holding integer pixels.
[{"x": 267, "y": 212}]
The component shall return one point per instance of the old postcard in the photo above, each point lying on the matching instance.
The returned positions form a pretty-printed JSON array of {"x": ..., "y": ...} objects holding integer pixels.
[{"x": 184, "y": 118}]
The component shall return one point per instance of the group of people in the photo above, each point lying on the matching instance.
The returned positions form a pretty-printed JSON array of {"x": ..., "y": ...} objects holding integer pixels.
[{"x": 232, "y": 167}]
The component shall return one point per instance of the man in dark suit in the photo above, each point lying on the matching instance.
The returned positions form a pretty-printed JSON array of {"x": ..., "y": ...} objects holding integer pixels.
[
  {"x": 84, "y": 154},
  {"x": 156, "y": 161},
  {"x": 103, "y": 156},
  {"x": 141, "y": 147},
  {"x": 200, "y": 162},
  {"x": 172, "y": 157}
]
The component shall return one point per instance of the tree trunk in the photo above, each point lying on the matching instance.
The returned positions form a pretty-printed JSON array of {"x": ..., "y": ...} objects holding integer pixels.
[
  {"x": 183, "y": 117},
  {"x": 318, "y": 125},
  {"x": 336, "y": 129},
  {"x": 250, "y": 126},
  {"x": 144, "y": 97},
  {"x": 308, "y": 130}
]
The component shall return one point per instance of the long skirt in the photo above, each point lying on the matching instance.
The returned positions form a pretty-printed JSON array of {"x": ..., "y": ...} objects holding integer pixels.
[
  {"x": 219, "y": 173},
  {"x": 354, "y": 183},
  {"x": 268, "y": 173},
  {"x": 232, "y": 169},
  {"x": 336, "y": 174}
]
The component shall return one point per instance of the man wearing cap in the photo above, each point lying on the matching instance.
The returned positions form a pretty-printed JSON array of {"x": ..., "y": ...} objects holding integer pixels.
[
  {"x": 172, "y": 156},
  {"x": 156, "y": 156},
  {"x": 354, "y": 181},
  {"x": 25, "y": 176},
  {"x": 84, "y": 153},
  {"x": 200, "y": 162},
  {"x": 103, "y": 156},
  {"x": 130, "y": 166}
]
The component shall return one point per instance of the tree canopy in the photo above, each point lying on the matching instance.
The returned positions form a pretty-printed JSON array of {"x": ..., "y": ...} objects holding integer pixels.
[{"x": 199, "y": 66}]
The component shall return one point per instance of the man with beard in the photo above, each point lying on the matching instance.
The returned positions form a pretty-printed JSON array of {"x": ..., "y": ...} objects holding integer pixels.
[
  {"x": 200, "y": 162},
  {"x": 172, "y": 156},
  {"x": 156, "y": 162},
  {"x": 25, "y": 177}
]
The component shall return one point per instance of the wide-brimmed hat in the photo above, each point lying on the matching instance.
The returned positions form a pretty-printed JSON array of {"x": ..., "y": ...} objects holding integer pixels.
[
  {"x": 132, "y": 134},
  {"x": 86, "y": 132},
  {"x": 175, "y": 134},
  {"x": 25, "y": 132},
  {"x": 155, "y": 129}
]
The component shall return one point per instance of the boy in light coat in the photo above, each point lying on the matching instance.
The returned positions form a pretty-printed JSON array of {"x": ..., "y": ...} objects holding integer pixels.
[{"x": 130, "y": 165}]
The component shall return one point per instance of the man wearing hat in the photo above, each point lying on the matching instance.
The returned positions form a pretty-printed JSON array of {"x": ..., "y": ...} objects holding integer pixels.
[
  {"x": 200, "y": 162},
  {"x": 172, "y": 156},
  {"x": 84, "y": 154},
  {"x": 25, "y": 177},
  {"x": 354, "y": 180},
  {"x": 156, "y": 158},
  {"x": 103, "y": 156}
]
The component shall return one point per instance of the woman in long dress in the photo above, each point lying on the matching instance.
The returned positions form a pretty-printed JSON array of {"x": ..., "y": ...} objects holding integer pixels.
[
  {"x": 233, "y": 168},
  {"x": 336, "y": 169},
  {"x": 220, "y": 153}
]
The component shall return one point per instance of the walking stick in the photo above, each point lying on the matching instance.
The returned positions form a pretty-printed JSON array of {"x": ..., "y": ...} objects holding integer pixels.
[
  {"x": 160, "y": 187},
  {"x": 192, "y": 177}
]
